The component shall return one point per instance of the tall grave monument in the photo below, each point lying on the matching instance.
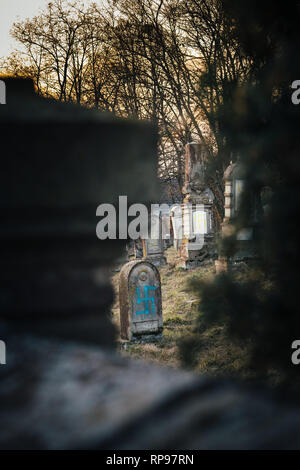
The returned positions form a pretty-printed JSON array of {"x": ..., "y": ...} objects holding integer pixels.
[{"x": 197, "y": 223}]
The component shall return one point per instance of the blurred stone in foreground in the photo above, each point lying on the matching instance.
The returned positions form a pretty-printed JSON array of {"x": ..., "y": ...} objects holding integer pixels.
[
  {"x": 59, "y": 163},
  {"x": 57, "y": 395}
]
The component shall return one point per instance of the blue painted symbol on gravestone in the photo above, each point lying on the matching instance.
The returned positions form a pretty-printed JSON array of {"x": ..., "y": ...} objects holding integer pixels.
[{"x": 146, "y": 299}]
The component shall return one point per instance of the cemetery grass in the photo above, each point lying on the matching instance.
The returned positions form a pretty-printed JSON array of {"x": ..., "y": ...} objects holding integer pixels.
[{"x": 215, "y": 354}]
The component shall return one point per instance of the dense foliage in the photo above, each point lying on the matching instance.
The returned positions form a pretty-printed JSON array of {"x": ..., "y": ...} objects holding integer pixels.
[{"x": 262, "y": 311}]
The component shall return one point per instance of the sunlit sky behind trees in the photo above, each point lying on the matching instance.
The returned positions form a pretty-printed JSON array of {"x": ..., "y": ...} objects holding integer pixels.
[
  {"x": 16, "y": 10},
  {"x": 13, "y": 10},
  {"x": 174, "y": 62}
]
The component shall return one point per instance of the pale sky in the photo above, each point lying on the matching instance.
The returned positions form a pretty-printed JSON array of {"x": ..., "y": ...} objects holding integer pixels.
[
  {"x": 11, "y": 11},
  {"x": 14, "y": 10}
]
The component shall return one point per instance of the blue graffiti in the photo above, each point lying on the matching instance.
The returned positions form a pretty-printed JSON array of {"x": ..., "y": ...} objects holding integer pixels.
[{"x": 146, "y": 299}]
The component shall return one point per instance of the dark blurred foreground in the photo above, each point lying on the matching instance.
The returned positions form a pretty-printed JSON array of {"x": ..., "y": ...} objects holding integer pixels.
[
  {"x": 261, "y": 125},
  {"x": 60, "y": 389}
]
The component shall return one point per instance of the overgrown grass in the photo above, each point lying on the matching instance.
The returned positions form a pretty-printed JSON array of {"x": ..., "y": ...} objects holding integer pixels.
[{"x": 211, "y": 351}]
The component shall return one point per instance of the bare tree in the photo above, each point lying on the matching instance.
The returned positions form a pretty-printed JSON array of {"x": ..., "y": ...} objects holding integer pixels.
[{"x": 174, "y": 62}]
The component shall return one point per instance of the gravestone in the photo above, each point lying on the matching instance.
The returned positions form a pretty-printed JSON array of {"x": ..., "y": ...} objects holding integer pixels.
[
  {"x": 197, "y": 227},
  {"x": 134, "y": 249},
  {"x": 154, "y": 246},
  {"x": 194, "y": 172},
  {"x": 140, "y": 301},
  {"x": 56, "y": 391},
  {"x": 177, "y": 225},
  {"x": 166, "y": 229},
  {"x": 234, "y": 184},
  {"x": 234, "y": 181}
]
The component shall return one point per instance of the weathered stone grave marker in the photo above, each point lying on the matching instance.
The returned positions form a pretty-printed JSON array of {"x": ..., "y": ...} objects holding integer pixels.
[
  {"x": 177, "y": 225},
  {"x": 234, "y": 180},
  {"x": 197, "y": 224},
  {"x": 166, "y": 229},
  {"x": 140, "y": 300},
  {"x": 55, "y": 271},
  {"x": 153, "y": 247}
]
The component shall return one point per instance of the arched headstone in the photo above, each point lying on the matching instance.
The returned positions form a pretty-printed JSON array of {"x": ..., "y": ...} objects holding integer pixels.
[{"x": 140, "y": 300}]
